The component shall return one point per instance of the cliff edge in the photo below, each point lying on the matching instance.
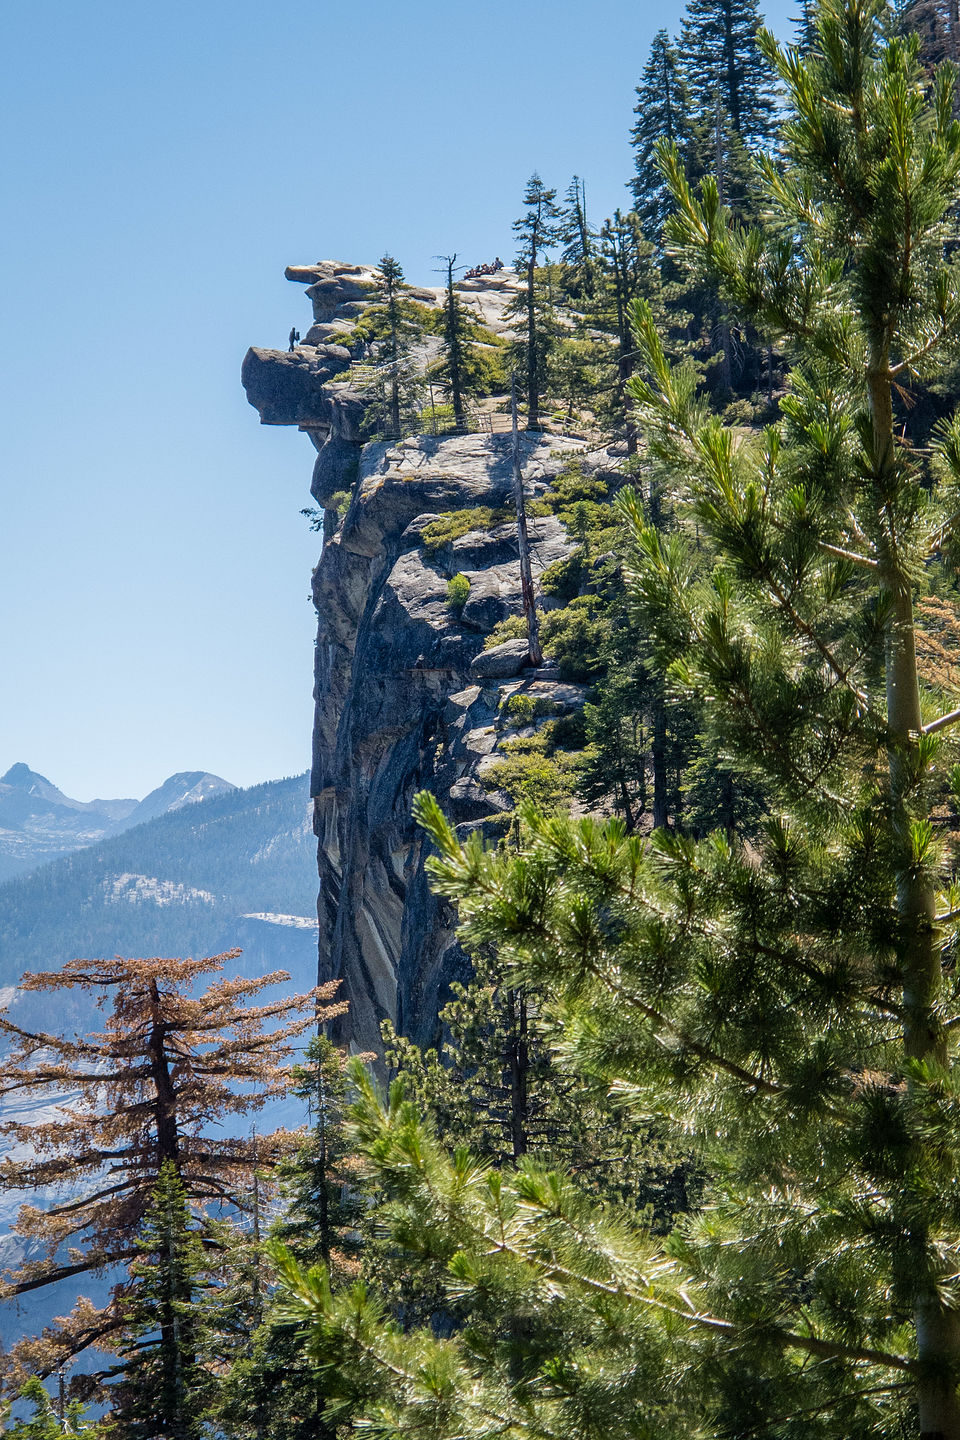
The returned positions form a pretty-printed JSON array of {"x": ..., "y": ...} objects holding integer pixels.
[{"x": 407, "y": 697}]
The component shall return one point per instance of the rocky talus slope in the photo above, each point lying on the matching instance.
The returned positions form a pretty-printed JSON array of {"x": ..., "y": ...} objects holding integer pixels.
[{"x": 406, "y": 695}]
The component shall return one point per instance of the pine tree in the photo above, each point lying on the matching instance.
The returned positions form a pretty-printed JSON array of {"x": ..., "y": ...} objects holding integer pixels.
[
  {"x": 139, "y": 1093},
  {"x": 270, "y": 1391},
  {"x": 164, "y": 1387},
  {"x": 626, "y": 271},
  {"x": 536, "y": 231},
  {"x": 322, "y": 1207},
  {"x": 391, "y": 282},
  {"x": 805, "y": 26},
  {"x": 471, "y": 359},
  {"x": 578, "y": 238},
  {"x": 662, "y": 114},
  {"x": 455, "y": 345},
  {"x": 794, "y": 1002},
  {"x": 726, "y": 70},
  {"x": 392, "y": 328},
  {"x": 51, "y": 1419},
  {"x": 494, "y": 1086}
]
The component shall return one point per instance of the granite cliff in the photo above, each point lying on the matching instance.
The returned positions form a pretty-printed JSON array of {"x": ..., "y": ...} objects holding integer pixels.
[{"x": 407, "y": 697}]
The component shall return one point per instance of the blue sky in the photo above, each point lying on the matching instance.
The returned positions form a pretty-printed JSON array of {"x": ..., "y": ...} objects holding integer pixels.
[{"x": 160, "y": 166}]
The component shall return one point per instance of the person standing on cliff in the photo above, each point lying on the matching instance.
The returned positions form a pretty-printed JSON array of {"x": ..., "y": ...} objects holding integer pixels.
[{"x": 294, "y": 338}]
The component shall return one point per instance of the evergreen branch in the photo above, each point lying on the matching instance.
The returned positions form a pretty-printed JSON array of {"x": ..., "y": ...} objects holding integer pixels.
[
  {"x": 943, "y": 532},
  {"x": 703, "y": 1052},
  {"x": 824, "y": 1406},
  {"x": 552, "y": 1269},
  {"x": 310, "y": 1293},
  {"x": 789, "y": 1339},
  {"x": 947, "y": 326},
  {"x": 806, "y": 629}
]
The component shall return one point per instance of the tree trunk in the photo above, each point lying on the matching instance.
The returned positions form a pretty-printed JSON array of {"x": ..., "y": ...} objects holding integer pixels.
[
  {"x": 937, "y": 1327},
  {"x": 533, "y": 387},
  {"x": 165, "y": 1102},
  {"x": 658, "y": 751},
  {"x": 455, "y": 350},
  {"x": 535, "y": 654},
  {"x": 323, "y": 1166},
  {"x": 518, "y": 1061}
]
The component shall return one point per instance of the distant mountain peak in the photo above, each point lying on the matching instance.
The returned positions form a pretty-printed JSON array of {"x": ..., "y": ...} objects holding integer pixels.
[
  {"x": 22, "y": 777},
  {"x": 38, "y": 822},
  {"x": 184, "y": 788}
]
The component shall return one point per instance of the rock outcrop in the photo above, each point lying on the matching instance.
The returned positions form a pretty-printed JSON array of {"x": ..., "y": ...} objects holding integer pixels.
[
  {"x": 406, "y": 695},
  {"x": 400, "y": 707}
]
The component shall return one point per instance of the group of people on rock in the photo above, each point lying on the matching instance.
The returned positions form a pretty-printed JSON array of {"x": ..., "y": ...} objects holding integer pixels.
[{"x": 490, "y": 268}]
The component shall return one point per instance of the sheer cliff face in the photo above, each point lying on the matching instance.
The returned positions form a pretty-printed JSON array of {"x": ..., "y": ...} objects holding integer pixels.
[{"x": 406, "y": 697}]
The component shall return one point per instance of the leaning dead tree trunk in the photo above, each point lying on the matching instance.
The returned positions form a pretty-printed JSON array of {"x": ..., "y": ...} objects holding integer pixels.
[{"x": 526, "y": 577}]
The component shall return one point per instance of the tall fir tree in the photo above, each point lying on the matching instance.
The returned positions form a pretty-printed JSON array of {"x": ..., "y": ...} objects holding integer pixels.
[
  {"x": 164, "y": 1386},
  {"x": 471, "y": 362},
  {"x": 270, "y": 1392},
  {"x": 662, "y": 112},
  {"x": 391, "y": 328},
  {"x": 394, "y": 346},
  {"x": 937, "y": 23},
  {"x": 455, "y": 344},
  {"x": 726, "y": 71},
  {"x": 578, "y": 238},
  {"x": 533, "y": 310},
  {"x": 626, "y": 269}
]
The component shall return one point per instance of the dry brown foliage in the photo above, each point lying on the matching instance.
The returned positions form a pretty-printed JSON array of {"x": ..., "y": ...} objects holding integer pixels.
[
  {"x": 167, "y": 1068},
  {"x": 938, "y": 642}
]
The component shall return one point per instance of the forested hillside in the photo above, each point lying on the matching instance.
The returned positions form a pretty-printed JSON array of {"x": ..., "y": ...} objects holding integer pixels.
[
  {"x": 181, "y": 884},
  {"x": 683, "y": 1159}
]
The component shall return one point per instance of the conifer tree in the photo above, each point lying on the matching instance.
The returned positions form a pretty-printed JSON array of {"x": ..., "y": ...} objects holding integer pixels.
[
  {"x": 455, "y": 345},
  {"x": 471, "y": 359},
  {"x": 322, "y": 1209},
  {"x": 536, "y": 231},
  {"x": 391, "y": 281},
  {"x": 494, "y": 1086},
  {"x": 164, "y": 1387},
  {"x": 662, "y": 114},
  {"x": 578, "y": 239},
  {"x": 794, "y": 1002},
  {"x": 139, "y": 1093},
  {"x": 726, "y": 70},
  {"x": 392, "y": 327},
  {"x": 270, "y": 1391},
  {"x": 805, "y": 26},
  {"x": 937, "y": 23},
  {"x": 51, "y": 1419},
  {"x": 627, "y": 270}
]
